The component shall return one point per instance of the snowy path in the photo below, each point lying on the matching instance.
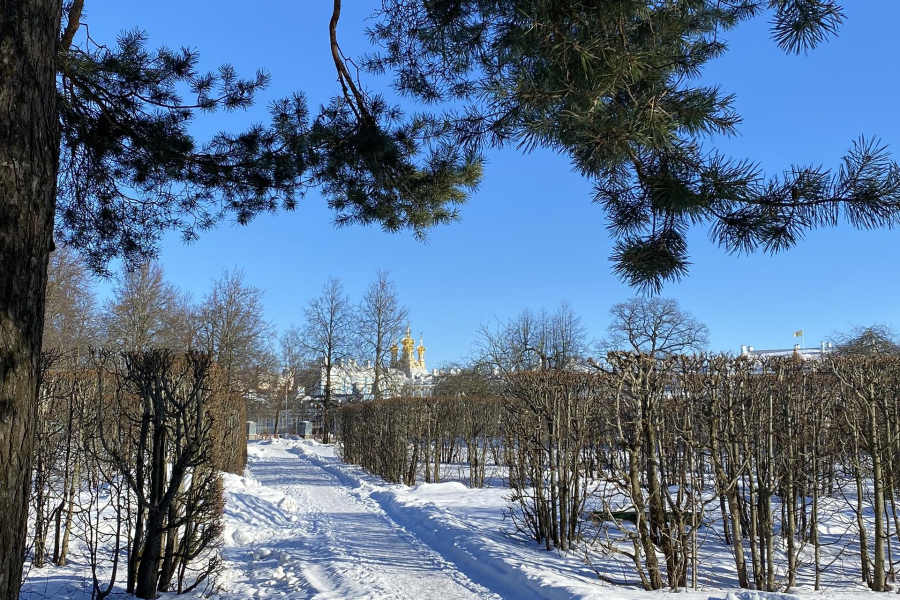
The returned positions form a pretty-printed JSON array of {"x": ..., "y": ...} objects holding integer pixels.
[
  {"x": 304, "y": 525},
  {"x": 298, "y": 532}
]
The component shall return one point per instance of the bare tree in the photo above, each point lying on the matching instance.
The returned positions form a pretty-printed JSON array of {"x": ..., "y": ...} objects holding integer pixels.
[
  {"x": 565, "y": 337},
  {"x": 182, "y": 323},
  {"x": 380, "y": 319},
  {"x": 878, "y": 339},
  {"x": 70, "y": 307},
  {"x": 507, "y": 347},
  {"x": 167, "y": 448},
  {"x": 145, "y": 311},
  {"x": 654, "y": 326},
  {"x": 233, "y": 331},
  {"x": 531, "y": 341},
  {"x": 868, "y": 385},
  {"x": 467, "y": 381},
  {"x": 276, "y": 387},
  {"x": 547, "y": 426},
  {"x": 327, "y": 335}
]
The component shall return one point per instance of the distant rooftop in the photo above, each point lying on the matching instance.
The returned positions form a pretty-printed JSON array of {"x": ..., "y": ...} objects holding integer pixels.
[{"x": 816, "y": 352}]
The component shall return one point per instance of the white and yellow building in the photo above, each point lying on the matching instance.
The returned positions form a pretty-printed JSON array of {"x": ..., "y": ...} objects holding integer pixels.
[{"x": 406, "y": 375}]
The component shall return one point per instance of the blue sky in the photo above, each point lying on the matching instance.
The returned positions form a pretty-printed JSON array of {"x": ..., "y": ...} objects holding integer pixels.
[{"x": 530, "y": 236}]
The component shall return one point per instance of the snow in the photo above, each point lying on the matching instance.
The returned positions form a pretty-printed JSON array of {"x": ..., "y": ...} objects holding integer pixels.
[
  {"x": 301, "y": 524},
  {"x": 355, "y": 536},
  {"x": 760, "y": 596},
  {"x": 296, "y": 530}
]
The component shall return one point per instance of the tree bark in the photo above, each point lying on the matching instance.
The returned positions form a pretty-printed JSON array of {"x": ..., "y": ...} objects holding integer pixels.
[
  {"x": 29, "y": 160},
  {"x": 70, "y": 510},
  {"x": 878, "y": 574}
]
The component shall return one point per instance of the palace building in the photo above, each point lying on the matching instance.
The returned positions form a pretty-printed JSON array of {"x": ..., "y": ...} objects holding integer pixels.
[{"x": 405, "y": 376}]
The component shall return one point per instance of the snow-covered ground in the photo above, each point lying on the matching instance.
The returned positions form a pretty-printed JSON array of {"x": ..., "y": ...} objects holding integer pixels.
[
  {"x": 295, "y": 529},
  {"x": 303, "y": 525}
]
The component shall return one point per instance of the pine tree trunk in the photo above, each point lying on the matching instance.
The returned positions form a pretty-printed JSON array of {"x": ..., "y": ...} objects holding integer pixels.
[{"x": 29, "y": 158}]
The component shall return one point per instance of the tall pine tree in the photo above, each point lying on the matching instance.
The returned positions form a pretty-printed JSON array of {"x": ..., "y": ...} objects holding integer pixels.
[{"x": 95, "y": 137}]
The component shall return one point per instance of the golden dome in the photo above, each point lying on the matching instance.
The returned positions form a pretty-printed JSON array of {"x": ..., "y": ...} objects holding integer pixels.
[{"x": 408, "y": 342}]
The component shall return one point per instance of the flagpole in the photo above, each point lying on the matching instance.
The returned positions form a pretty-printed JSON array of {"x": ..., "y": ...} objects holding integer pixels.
[{"x": 802, "y": 336}]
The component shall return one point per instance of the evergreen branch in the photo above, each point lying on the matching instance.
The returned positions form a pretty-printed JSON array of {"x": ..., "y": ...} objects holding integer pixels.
[
  {"x": 801, "y": 25},
  {"x": 355, "y": 99}
]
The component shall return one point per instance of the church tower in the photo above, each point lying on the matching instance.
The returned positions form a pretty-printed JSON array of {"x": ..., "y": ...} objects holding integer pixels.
[
  {"x": 420, "y": 353},
  {"x": 412, "y": 359},
  {"x": 395, "y": 362}
]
